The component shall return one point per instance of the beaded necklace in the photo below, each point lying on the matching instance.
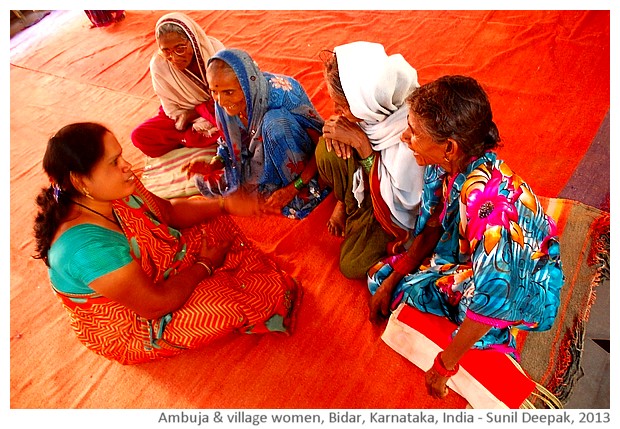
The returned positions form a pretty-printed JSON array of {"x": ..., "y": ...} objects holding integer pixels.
[{"x": 114, "y": 221}]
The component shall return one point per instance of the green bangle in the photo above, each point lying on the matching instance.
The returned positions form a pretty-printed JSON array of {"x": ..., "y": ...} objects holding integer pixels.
[
  {"x": 299, "y": 183},
  {"x": 367, "y": 163}
]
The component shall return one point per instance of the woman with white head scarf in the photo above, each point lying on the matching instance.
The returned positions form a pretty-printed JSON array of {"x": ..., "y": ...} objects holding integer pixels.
[
  {"x": 376, "y": 180},
  {"x": 178, "y": 72}
]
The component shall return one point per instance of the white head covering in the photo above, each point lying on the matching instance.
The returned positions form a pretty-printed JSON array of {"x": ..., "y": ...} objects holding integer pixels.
[
  {"x": 376, "y": 87},
  {"x": 176, "y": 90}
]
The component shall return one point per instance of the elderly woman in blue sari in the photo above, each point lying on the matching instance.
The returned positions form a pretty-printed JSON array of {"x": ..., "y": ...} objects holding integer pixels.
[
  {"x": 485, "y": 254},
  {"x": 271, "y": 129}
]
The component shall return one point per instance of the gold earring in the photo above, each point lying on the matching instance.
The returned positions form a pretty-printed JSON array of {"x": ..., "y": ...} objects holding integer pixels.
[{"x": 86, "y": 193}]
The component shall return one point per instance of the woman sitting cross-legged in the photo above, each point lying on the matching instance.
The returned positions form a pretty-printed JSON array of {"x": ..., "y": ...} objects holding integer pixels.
[
  {"x": 178, "y": 72},
  {"x": 485, "y": 254},
  {"x": 270, "y": 128},
  {"x": 141, "y": 277}
]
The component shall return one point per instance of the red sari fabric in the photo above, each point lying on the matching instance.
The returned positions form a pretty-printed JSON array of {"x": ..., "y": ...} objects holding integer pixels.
[
  {"x": 384, "y": 216},
  {"x": 248, "y": 294},
  {"x": 158, "y": 135}
]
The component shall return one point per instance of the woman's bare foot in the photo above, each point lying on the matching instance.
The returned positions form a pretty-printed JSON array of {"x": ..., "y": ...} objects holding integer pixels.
[{"x": 335, "y": 224}]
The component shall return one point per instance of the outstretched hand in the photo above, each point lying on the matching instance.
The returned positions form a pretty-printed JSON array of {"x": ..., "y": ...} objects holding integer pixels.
[
  {"x": 243, "y": 203},
  {"x": 211, "y": 172},
  {"x": 277, "y": 200},
  {"x": 201, "y": 167}
]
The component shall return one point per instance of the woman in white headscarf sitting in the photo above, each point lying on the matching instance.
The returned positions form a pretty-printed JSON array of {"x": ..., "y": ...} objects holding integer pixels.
[
  {"x": 178, "y": 71},
  {"x": 376, "y": 180}
]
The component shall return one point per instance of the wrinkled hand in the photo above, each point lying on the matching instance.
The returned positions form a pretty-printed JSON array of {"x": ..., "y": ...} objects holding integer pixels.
[
  {"x": 196, "y": 167},
  {"x": 436, "y": 384},
  {"x": 184, "y": 118},
  {"x": 280, "y": 198},
  {"x": 214, "y": 253},
  {"x": 344, "y": 136},
  {"x": 380, "y": 303},
  {"x": 202, "y": 167},
  {"x": 342, "y": 150},
  {"x": 205, "y": 127}
]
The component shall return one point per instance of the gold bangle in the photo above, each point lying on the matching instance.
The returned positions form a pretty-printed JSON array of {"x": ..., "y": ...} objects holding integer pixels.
[
  {"x": 221, "y": 205},
  {"x": 208, "y": 268}
]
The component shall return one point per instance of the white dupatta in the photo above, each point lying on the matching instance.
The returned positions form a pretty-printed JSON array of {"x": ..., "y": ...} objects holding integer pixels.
[
  {"x": 175, "y": 89},
  {"x": 376, "y": 87}
]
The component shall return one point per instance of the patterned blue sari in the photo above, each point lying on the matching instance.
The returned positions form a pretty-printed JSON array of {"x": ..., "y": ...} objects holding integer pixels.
[
  {"x": 276, "y": 146},
  {"x": 498, "y": 261}
]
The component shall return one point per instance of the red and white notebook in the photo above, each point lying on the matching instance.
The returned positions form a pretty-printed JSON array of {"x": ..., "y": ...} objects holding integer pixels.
[{"x": 487, "y": 379}]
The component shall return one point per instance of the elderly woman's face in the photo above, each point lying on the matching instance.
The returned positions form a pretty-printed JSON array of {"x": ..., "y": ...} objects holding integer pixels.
[
  {"x": 341, "y": 106},
  {"x": 226, "y": 90},
  {"x": 425, "y": 150},
  {"x": 176, "y": 49}
]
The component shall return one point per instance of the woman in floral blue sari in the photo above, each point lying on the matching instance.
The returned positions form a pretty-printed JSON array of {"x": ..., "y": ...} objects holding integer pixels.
[
  {"x": 486, "y": 256},
  {"x": 271, "y": 129}
]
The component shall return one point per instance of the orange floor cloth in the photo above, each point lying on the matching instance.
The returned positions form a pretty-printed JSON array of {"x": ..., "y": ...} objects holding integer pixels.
[{"x": 547, "y": 74}]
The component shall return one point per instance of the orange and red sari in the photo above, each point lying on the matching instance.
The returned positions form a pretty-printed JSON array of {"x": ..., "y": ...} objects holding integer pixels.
[{"x": 248, "y": 294}]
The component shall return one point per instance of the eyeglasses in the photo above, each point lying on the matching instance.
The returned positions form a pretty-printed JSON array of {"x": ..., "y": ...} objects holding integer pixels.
[{"x": 178, "y": 50}]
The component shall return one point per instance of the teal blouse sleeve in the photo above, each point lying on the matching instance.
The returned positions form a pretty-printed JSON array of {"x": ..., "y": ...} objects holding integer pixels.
[{"x": 84, "y": 253}]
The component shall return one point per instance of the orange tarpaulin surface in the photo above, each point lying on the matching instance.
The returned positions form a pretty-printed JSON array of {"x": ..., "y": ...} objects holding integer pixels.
[{"x": 547, "y": 75}]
